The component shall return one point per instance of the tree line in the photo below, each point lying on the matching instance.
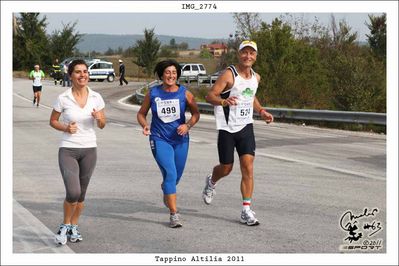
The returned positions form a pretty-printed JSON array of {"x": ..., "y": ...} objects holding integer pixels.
[
  {"x": 302, "y": 65},
  {"x": 31, "y": 44},
  {"x": 312, "y": 66}
]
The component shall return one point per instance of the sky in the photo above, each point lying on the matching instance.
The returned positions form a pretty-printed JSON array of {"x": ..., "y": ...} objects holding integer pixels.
[{"x": 203, "y": 25}]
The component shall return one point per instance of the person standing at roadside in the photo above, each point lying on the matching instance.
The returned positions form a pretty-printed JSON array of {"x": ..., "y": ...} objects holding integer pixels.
[
  {"x": 233, "y": 96},
  {"x": 168, "y": 134},
  {"x": 56, "y": 72},
  {"x": 82, "y": 109},
  {"x": 122, "y": 70},
  {"x": 66, "y": 79},
  {"x": 37, "y": 75}
]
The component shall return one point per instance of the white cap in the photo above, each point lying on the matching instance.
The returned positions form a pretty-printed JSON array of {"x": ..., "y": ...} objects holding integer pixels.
[
  {"x": 120, "y": 61},
  {"x": 248, "y": 43}
]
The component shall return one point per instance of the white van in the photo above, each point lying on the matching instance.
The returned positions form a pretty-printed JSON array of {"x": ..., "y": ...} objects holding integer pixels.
[
  {"x": 191, "y": 71},
  {"x": 101, "y": 70}
]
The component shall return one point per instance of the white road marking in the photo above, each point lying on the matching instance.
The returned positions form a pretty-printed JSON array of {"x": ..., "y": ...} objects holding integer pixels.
[
  {"x": 117, "y": 124},
  {"x": 37, "y": 231},
  {"x": 30, "y": 101},
  {"x": 322, "y": 166}
]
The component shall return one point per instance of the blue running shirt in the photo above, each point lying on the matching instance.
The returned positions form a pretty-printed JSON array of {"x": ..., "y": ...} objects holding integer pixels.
[{"x": 168, "y": 113}]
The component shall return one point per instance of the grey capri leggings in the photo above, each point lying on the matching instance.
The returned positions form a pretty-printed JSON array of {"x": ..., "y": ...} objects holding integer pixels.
[{"x": 76, "y": 166}]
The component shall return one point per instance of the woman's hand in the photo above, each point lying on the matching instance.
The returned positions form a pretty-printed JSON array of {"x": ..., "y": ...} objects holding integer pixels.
[
  {"x": 146, "y": 131},
  {"x": 97, "y": 114},
  {"x": 71, "y": 128},
  {"x": 183, "y": 129}
]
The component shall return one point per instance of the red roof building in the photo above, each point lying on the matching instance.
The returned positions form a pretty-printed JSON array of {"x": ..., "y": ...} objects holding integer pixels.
[{"x": 216, "y": 49}]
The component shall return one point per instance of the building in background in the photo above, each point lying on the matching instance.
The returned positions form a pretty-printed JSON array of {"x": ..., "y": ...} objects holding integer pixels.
[{"x": 216, "y": 49}]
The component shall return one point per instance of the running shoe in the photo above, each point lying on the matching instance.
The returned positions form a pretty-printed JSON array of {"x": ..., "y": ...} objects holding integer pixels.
[
  {"x": 248, "y": 217},
  {"x": 175, "y": 221},
  {"x": 34, "y": 100},
  {"x": 61, "y": 236},
  {"x": 209, "y": 191},
  {"x": 75, "y": 234}
]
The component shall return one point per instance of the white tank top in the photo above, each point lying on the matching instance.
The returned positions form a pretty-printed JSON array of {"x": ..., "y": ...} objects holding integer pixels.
[{"x": 235, "y": 117}]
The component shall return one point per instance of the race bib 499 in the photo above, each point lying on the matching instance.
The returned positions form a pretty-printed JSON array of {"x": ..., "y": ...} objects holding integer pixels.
[{"x": 168, "y": 110}]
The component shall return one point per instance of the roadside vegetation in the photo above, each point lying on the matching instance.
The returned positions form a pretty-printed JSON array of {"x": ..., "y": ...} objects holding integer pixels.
[{"x": 302, "y": 65}]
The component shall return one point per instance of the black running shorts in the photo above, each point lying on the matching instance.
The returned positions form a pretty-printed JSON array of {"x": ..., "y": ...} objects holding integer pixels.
[
  {"x": 243, "y": 141},
  {"x": 37, "y": 88}
]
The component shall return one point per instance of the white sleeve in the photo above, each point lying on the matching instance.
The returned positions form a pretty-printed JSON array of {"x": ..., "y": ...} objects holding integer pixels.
[
  {"x": 58, "y": 105},
  {"x": 100, "y": 103}
]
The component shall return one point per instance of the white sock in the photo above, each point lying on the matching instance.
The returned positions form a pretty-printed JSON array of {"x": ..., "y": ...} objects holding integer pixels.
[{"x": 211, "y": 183}]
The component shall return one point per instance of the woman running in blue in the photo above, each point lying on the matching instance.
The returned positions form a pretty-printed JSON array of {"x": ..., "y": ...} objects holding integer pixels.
[{"x": 169, "y": 138}]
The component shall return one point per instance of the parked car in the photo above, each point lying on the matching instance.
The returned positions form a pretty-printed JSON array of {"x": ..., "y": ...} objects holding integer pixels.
[
  {"x": 101, "y": 70},
  {"x": 190, "y": 71}
]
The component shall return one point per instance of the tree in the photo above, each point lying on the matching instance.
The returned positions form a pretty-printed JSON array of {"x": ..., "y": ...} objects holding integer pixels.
[
  {"x": 30, "y": 43},
  {"x": 377, "y": 38},
  {"x": 147, "y": 51},
  {"x": 119, "y": 51},
  {"x": 341, "y": 34},
  {"x": 303, "y": 30},
  {"x": 172, "y": 43},
  {"x": 247, "y": 24},
  {"x": 63, "y": 42},
  {"x": 166, "y": 51},
  {"x": 292, "y": 75},
  {"x": 110, "y": 51},
  {"x": 205, "y": 54},
  {"x": 358, "y": 81},
  {"x": 182, "y": 46},
  {"x": 231, "y": 56}
]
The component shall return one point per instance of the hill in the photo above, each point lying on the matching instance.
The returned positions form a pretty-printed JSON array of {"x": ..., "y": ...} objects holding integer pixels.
[{"x": 101, "y": 42}]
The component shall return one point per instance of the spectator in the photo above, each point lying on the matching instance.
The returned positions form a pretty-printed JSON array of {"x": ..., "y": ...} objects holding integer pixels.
[
  {"x": 122, "y": 70},
  {"x": 66, "y": 79}
]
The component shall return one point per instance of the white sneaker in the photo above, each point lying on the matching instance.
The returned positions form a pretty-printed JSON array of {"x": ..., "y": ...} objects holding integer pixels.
[
  {"x": 248, "y": 217},
  {"x": 75, "y": 235},
  {"x": 175, "y": 221},
  {"x": 61, "y": 236},
  {"x": 208, "y": 192}
]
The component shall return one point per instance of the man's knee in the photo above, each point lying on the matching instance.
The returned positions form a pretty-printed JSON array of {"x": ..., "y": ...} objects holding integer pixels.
[{"x": 226, "y": 169}]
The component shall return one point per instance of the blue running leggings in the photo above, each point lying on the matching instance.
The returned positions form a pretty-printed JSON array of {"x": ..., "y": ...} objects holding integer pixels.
[{"x": 171, "y": 159}]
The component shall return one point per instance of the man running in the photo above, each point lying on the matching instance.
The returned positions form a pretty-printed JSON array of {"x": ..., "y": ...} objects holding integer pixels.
[{"x": 233, "y": 96}]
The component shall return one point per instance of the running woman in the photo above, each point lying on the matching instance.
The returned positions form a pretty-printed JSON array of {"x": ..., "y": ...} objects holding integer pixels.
[
  {"x": 233, "y": 96},
  {"x": 168, "y": 134},
  {"x": 37, "y": 75},
  {"x": 81, "y": 109}
]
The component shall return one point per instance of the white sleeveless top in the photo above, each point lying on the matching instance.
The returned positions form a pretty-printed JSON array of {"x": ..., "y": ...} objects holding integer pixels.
[{"x": 235, "y": 117}]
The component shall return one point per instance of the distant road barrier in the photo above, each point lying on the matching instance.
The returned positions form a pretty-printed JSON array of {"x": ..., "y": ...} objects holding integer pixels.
[
  {"x": 301, "y": 114},
  {"x": 200, "y": 79}
]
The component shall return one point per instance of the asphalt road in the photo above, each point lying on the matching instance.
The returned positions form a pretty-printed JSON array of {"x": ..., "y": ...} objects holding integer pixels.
[{"x": 306, "y": 178}]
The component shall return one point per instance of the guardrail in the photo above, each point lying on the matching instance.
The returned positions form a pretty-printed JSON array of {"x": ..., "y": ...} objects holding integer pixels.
[
  {"x": 302, "y": 114},
  {"x": 200, "y": 79}
]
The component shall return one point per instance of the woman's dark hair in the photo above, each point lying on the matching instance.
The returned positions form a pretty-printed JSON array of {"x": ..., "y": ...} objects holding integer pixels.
[
  {"x": 160, "y": 67},
  {"x": 75, "y": 62}
]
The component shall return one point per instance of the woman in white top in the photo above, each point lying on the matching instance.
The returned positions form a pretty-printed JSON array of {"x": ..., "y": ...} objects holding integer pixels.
[{"x": 81, "y": 108}]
